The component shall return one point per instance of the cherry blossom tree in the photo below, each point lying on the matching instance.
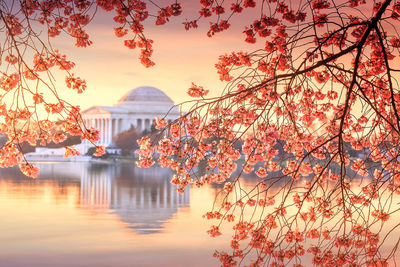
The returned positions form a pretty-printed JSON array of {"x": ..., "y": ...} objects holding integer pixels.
[
  {"x": 313, "y": 111},
  {"x": 321, "y": 89}
]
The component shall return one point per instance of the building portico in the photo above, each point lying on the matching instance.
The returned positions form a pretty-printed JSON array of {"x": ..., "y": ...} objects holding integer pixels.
[{"x": 136, "y": 109}]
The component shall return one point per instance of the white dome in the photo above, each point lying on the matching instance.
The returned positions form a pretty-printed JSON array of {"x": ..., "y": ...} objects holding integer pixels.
[{"x": 145, "y": 94}]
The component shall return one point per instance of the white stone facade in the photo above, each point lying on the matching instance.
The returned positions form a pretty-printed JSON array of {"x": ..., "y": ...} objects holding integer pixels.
[{"x": 137, "y": 109}]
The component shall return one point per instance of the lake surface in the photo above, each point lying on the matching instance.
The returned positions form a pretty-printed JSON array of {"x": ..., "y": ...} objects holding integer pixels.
[
  {"x": 87, "y": 214},
  {"x": 92, "y": 214}
]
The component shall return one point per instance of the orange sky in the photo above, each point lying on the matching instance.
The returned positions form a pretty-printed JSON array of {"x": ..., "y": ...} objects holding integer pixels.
[{"x": 181, "y": 57}]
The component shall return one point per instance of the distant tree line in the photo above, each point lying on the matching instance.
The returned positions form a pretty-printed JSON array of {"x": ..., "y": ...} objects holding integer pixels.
[{"x": 127, "y": 141}]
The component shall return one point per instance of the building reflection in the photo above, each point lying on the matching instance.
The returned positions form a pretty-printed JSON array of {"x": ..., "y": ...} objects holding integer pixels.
[
  {"x": 144, "y": 199},
  {"x": 96, "y": 186}
]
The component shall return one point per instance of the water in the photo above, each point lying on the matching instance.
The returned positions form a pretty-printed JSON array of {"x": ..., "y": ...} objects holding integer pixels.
[
  {"x": 83, "y": 214},
  {"x": 87, "y": 214}
]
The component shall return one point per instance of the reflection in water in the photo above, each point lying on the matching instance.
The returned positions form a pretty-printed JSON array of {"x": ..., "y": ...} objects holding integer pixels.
[
  {"x": 144, "y": 199},
  {"x": 82, "y": 214},
  {"x": 87, "y": 214}
]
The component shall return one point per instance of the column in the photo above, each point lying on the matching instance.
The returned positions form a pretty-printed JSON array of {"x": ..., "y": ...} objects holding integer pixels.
[
  {"x": 142, "y": 126},
  {"x": 112, "y": 130},
  {"x": 107, "y": 130},
  {"x": 112, "y": 122},
  {"x": 110, "y": 141},
  {"x": 98, "y": 128},
  {"x": 101, "y": 131}
]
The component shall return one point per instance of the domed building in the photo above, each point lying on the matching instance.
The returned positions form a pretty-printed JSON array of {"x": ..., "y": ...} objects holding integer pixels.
[{"x": 137, "y": 109}]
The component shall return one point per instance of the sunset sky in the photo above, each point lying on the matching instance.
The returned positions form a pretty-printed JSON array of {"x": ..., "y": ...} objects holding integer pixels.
[{"x": 181, "y": 57}]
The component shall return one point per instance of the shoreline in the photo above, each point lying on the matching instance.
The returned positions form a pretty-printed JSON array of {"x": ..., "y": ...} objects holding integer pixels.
[{"x": 81, "y": 159}]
